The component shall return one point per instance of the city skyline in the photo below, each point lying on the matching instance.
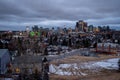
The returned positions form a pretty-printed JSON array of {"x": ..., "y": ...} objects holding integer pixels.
[{"x": 17, "y": 14}]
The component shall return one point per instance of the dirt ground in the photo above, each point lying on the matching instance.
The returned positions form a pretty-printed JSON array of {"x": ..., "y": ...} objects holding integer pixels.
[
  {"x": 107, "y": 75},
  {"x": 102, "y": 75}
]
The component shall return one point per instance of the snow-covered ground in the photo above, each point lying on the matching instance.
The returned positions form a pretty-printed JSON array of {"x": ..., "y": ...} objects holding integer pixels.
[
  {"x": 6, "y": 79},
  {"x": 76, "y": 68}
]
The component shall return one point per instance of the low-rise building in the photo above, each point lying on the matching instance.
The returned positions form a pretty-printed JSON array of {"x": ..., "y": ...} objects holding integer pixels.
[
  {"x": 4, "y": 60},
  {"x": 107, "y": 47}
]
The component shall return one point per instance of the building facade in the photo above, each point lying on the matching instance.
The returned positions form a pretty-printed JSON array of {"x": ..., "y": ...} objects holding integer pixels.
[
  {"x": 4, "y": 60},
  {"x": 81, "y": 26}
]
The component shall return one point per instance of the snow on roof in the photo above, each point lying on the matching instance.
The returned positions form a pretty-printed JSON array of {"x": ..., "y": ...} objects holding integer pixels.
[
  {"x": 2, "y": 52},
  {"x": 6, "y": 79},
  {"x": 107, "y": 44}
]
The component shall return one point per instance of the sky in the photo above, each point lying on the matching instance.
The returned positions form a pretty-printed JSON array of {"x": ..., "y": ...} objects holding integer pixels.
[{"x": 17, "y": 14}]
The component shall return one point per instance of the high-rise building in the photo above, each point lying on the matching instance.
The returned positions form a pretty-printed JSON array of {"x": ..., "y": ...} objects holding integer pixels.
[
  {"x": 81, "y": 26},
  {"x": 90, "y": 28},
  {"x": 35, "y": 28},
  {"x": 96, "y": 29}
]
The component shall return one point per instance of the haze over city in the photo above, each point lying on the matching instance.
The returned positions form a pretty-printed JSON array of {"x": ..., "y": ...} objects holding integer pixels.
[{"x": 17, "y": 14}]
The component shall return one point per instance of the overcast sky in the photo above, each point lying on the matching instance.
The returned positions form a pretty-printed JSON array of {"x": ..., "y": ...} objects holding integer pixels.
[{"x": 16, "y": 14}]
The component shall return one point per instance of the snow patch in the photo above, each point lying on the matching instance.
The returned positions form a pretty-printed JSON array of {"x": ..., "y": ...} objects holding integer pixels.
[
  {"x": 65, "y": 69},
  {"x": 108, "y": 64}
]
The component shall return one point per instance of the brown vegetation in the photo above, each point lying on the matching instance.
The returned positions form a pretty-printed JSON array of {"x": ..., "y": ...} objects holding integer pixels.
[{"x": 100, "y": 75}]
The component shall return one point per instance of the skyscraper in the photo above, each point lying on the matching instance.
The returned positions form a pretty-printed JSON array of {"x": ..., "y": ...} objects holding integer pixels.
[{"x": 81, "y": 26}]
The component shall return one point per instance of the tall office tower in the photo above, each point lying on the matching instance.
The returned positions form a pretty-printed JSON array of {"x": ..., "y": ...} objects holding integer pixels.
[{"x": 81, "y": 26}]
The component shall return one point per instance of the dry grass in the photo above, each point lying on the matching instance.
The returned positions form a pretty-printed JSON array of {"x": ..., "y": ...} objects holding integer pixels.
[
  {"x": 101, "y": 75},
  {"x": 79, "y": 59}
]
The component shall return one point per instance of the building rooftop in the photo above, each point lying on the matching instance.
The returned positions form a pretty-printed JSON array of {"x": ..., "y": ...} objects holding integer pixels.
[{"x": 2, "y": 52}]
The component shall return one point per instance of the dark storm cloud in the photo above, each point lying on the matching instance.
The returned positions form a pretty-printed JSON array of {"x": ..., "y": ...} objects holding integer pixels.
[{"x": 58, "y": 12}]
